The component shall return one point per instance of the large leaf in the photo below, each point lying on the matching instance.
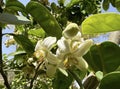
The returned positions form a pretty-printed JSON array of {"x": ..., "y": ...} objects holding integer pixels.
[
  {"x": 61, "y": 81},
  {"x": 111, "y": 81},
  {"x": 7, "y": 18},
  {"x": 104, "y": 57},
  {"x": 25, "y": 43},
  {"x": 15, "y": 5},
  {"x": 100, "y": 23},
  {"x": 44, "y": 18}
]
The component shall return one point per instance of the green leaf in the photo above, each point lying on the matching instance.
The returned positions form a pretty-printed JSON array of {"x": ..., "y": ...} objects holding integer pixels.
[
  {"x": 117, "y": 4},
  {"x": 15, "y": 5},
  {"x": 105, "y": 5},
  {"x": 61, "y": 81},
  {"x": 100, "y": 23},
  {"x": 104, "y": 57},
  {"x": 41, "y": 14},
  {"x": 37, "y": 32},
  {"x": 25, "y": 43},
  {"x": 111, "y": 81},
  {"x": 7, "y": 18}
]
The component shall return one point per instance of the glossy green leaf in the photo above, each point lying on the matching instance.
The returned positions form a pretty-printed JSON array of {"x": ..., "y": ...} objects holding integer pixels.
[
  {"x": 37, "y": 32},
  {"x": 61, "y": 81},
  {"x": 7, "y": 18},
  {"x": 111, "y": 81},
  {"x": 25, "y": 43},
  {"x": 100, "y": 23},
  {"x": 104, "y": 57},
  {"x": 15, "y": 5},
  {"x": 41, "y": 14},
  {"x": 105, "y": 5}
]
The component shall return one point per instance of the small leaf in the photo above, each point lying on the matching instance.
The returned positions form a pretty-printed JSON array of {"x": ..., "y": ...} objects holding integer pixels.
[
  {"x": 7, "y": 18},
  {"x": 111, "y": 81},
  {"x": 105, "y": 5},
  {"x": 25, "y": 43},
  {"x": 37, "y": 32},
  {"x": 41, "y": 14},
  {"x": 104, "y": 57},
  {"x": 100, "y": 23}
]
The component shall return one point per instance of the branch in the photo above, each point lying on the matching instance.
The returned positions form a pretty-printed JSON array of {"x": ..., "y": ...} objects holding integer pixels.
[
  {"x": 1, "y": 63},
  {"x": 35, "y": 76}
]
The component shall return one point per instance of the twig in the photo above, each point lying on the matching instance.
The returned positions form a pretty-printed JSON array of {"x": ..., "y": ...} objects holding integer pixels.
[
  {"x": 1, "y": 63},
  {"x": 35, "y": 76}
]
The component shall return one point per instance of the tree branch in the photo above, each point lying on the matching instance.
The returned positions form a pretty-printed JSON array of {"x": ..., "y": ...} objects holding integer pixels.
[
  {"x": 1, "y": 63},
  {"x": 35, "y": 76}
]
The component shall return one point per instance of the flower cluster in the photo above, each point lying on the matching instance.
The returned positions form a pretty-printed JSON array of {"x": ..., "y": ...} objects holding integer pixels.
[{"x": 70, "y": 50}]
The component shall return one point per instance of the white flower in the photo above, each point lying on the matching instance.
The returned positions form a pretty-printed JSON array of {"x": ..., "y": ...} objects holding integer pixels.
[
  {"x": 43, "y": 53},
  {"x": 70, "y": 51}
]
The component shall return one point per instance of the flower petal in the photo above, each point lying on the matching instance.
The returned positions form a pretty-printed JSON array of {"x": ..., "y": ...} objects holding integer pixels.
[
  {"x": 51, "y": 70},
  {"x": 59, "y": 54},
  {"x": 83, "y": 48},
  {"x": 82, "y": 64},
  {"x": 78, "y": 37},
  {"x": 38, "y": 45},
  {"x": 71, "y": 30},
  {"x": 64, "y": 45},
  {"x": 52, "y": 59},
  {"x": 48, "y": 42}
]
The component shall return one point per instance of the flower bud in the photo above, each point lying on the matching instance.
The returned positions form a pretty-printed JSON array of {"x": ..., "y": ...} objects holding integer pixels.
[{"x": 71, "y": 30}]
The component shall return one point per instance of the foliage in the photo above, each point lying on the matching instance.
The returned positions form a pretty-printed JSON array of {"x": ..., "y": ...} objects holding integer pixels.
[{"x": 51, "y": 52}]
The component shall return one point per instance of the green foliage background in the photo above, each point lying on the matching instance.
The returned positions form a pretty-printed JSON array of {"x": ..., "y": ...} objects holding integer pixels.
[{"x": 40, "y": 19}]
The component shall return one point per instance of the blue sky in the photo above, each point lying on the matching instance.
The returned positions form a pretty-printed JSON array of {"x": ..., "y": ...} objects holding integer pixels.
[{"x": 12, "y": 48}]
